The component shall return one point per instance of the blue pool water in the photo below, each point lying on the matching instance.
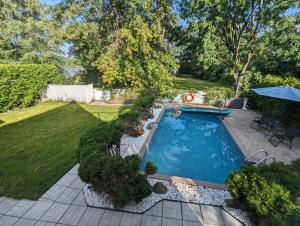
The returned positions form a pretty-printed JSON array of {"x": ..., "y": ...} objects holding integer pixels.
[{"x": 195, "y": 146}]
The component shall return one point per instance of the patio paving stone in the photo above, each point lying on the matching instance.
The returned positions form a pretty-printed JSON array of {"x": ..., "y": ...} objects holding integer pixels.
[
  {"x": 172, "y": 209},
  {"x": 25, "y": 222},
  {"x": 91, "y": 217},
  {"x": 74, "y": 170},
  {"x": 68, "y": 195},
  {"x": 111, "y": 218},
  {"x": 72, "y": 215},
  {"x": 130, "y": 219},
  {"x": 43, "y": 223},
  {"x": 212, "y": 215},
  {"x": 79, "y": 200},
  {"x": 55, "y": 212},
  {"x": 191, "y": 212},
  {"x": 77, "y": 183},
  {"x": 21, "y": 208},
  {"x": 54, "y": 192},
  {"x": 8, "y": 220},
  {"x": 67, "y": 179},
  {"x": 229, "y": 220},
  {"x": 151, "y": 220},
  {"x": 192, "y": 223},
  {"x": 155, "y": 210},
  {"x": 37, "y": 210},
  {"x": 7, "y": 204},
  {"x": 171, "y": 222}
]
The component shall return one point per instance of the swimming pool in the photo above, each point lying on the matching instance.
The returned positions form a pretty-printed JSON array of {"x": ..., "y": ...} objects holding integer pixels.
[{"x": 194, "y": 146}]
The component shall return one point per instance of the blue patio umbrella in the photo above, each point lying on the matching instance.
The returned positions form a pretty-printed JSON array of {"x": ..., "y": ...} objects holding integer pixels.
[{"x": 280, "y": 92}]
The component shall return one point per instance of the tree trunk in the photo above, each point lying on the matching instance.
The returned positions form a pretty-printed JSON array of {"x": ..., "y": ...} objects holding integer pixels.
[{"x": 238, "y": 84}]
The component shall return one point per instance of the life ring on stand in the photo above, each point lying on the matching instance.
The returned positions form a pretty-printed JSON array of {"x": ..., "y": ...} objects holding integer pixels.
[{"x": 189, "y": 97}]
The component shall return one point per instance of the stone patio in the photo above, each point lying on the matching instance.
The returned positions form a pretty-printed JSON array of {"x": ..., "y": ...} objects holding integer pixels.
[
  {"x": 64, "y": 204},
  {"x": 251, "y": 140}
]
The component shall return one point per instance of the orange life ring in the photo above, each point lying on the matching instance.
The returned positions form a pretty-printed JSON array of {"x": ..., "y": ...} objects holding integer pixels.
[{"x": 189, "y": 97}]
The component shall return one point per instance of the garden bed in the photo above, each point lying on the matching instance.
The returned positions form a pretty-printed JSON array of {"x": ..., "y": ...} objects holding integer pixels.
[{"x": 176, "y": 192}]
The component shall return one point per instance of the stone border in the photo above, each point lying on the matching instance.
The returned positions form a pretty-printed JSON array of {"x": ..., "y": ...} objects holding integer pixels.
[
  {"x": 151, "y": 133},
  {"x": 176, "y": 192}
]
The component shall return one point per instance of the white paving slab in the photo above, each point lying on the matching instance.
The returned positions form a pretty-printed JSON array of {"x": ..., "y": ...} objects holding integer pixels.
[
  {"x": 7, "y": 204},
  {"x": 91, "y": 217},
  {"x": 21, "y": 208},
  {"x": 191, "y": 212},
  {"x": 8, "y": 220},
  {"x": 131, "y": 219},
  {"x": 68, "y": 195},
  {"x": 111, "y": 218},
  {"x": 55, "y": 212},
  {"x": 72, "y": 215},
  {"x": 37, "y": 210}
]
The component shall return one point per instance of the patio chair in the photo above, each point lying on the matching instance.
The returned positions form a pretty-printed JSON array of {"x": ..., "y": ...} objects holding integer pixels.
[
  {"x": 281, "y": 136},
  {"x": 260, "y": 123}
]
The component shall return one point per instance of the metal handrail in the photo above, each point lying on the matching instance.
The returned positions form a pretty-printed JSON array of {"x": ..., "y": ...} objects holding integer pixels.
[
  {"x": 264, "y": 160},
  {"x": 260, "y": 151}
]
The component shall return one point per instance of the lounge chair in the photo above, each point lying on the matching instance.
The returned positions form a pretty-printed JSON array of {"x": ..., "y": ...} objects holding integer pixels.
[{"x": 281, "y": 136}]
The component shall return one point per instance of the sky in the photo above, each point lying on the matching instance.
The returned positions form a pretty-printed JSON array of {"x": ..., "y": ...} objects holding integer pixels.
[{"x": 51, "y": 2}]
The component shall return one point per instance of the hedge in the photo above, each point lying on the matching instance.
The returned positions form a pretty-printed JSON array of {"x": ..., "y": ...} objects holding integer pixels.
[{"x": 22, "y": 84}]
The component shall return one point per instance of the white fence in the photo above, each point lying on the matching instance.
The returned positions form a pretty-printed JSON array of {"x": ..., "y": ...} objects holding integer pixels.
[{"x": 79, "y": 93}]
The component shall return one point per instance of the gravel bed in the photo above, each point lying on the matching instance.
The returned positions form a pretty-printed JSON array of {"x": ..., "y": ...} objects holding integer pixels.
[{"x": 176, "y": 191}]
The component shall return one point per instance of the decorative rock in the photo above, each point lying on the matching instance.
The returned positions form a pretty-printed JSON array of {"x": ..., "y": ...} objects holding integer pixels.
[{"x": 160, "y": 188}]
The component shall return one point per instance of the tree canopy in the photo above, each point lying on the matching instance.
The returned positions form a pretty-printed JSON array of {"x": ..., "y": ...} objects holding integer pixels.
[
  {"x": 240, "y": 25},
  {"x": 141, "y": 43},
  {"x": 28, "y": 33}
]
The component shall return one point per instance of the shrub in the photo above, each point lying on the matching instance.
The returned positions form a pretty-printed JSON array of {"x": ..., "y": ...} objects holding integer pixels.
[
  {"x": 131, "y": 117},
  {"x": 263, "y": 192},
  {"x": 116, "y": 176},
  {"x": 86, "y": 150},
  {"x": 21, "y": 84},
  {"x": 150, "y": 168},
  {"x": 296, "y": 167},
  {"x": 103, "y": 133}
]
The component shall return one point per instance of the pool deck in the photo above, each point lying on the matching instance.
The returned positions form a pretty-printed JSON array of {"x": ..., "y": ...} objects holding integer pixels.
[{"x": 250, "y": 140}]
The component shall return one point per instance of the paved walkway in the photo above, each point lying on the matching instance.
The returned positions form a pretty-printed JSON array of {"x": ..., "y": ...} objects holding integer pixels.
[
  {"x": 64, "y": 204},
  {"x": 251, "y": 140}
]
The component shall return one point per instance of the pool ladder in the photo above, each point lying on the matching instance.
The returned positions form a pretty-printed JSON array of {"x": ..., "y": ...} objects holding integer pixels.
[{"x": 263, "y": 161}]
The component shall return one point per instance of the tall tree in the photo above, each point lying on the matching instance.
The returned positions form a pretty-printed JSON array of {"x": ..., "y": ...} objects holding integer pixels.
[
  {"x": 240, "y": 25},
  {"x": 281, "y": 52},
  {"x": 201, "y": 52},
  {"x": 124, "y": 42},
  {"x": 28, "y": 33}
]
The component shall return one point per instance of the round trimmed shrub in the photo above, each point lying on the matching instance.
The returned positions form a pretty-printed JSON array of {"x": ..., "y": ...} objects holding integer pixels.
[
  {"x": 84, "y": 151},
  {"x": 150, "y": 168},
  {"x": 271, "y": 201}
]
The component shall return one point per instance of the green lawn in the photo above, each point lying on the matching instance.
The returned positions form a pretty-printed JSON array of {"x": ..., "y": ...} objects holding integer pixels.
[
  {"x": 38, "y": 144},
  {"x": 213, "y": 89}
]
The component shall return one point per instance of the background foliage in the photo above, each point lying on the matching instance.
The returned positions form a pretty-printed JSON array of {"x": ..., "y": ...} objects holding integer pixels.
[
  {"x": 29, "y": 34},
  {"x": 22, "y": 84}
]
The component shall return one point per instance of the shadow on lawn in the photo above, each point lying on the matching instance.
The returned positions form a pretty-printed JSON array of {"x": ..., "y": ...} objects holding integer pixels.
[{"x": 37, "y": 151}]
